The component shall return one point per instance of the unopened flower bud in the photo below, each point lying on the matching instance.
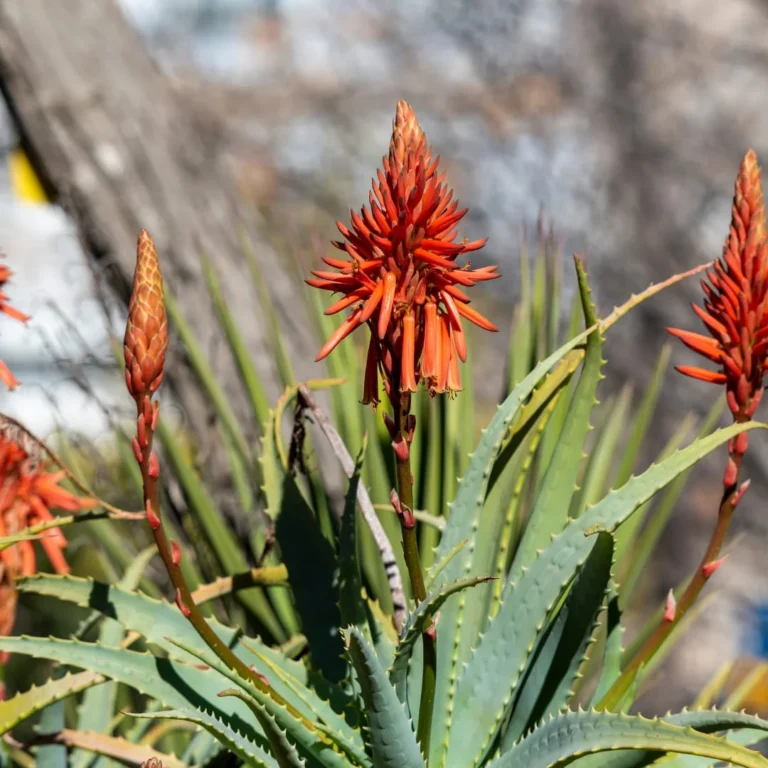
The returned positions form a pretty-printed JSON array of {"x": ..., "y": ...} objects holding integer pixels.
[
  {"x": 175, "y": 553},
  {"x": 136, "y": 450},
  {"x": 146, "y": 333},
  {"x": 141, "y": 431},
  {"x": 731, "y": 473},
  {"x": 670, "y": 607},
  {"x": 741, "y": 443},
  {"x": 152, "y": 518},
  {"x": 400, "y": 447},
  {"x": 740, "y": 493},
  {"x": 180, "y": 603},
  {"x": 154, "y": 466},
  {"x": 709, "y": 568}
]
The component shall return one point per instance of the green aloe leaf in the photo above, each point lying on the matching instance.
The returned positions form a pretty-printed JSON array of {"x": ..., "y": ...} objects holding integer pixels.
[
  {"x": 98, "y": 705},
  {"x": 350, "y": 587},
  {"x": 52, "y": 722},
  {"x": 322, "y": 743},
  {"x": 415, "y": 625},
  {"x": 393, "y": 741},
  {"x": 282, "y": 749},
  {"x": 23, "y": 705},
  {"x": 313, "y": 576},
  {"x": 595, "y": 482},
  {"x": 613, "y": 649},
  {"x": 571, "y": 734},
  {"x": 548, "y": 680},
  {"x": 159, "y": 622},
  {"x": 245, "y": 748},
  {"x": 492, "y": 675},
  {"x": 464, "y": 519},
  {"x": 172, "y": 683},
  {"x": 550, "y": 511}
]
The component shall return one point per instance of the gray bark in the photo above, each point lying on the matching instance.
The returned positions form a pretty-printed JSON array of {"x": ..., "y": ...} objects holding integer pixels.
[{"x": 119, "y": 148}]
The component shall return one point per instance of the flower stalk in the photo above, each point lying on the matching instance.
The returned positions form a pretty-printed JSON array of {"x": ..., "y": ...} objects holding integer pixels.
[
  {"x": 735, "y": 315},
  {"x": 145, "y": 344}
]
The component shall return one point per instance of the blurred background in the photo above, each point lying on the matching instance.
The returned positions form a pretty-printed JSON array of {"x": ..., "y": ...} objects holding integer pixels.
[{"x": 623, "y": 122}]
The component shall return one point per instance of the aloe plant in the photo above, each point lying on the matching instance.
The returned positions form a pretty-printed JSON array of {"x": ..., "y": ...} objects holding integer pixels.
[{"x": 495, "y": 641}]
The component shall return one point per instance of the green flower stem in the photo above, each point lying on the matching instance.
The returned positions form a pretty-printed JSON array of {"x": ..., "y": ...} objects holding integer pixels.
[
  {"x": 413, "y": 562},
  {"x": 184, "y": 596},
  {"x": 650, "y": 647}
]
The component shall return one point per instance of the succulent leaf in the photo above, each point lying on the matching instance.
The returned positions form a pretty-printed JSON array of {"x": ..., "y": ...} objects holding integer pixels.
[
  {"x": 550, "y": 674},
  {"x": 393, "y": 741},
  {"x": 490, "y": 680},
  {"x": 571, "y": 734},
  {"x": 245, "y": 748}
]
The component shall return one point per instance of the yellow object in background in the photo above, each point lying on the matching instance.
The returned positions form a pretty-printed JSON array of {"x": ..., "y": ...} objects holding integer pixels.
[{"x": 24, "y": 181}]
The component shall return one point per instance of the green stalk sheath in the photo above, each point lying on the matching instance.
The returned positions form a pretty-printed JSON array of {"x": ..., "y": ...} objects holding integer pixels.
[
  {"x": 413, "y": 562},
  {"x": 650, "y": 647}
]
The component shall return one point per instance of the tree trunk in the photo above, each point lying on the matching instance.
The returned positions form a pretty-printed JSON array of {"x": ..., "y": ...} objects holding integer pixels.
[{"x": 120, "y": 149}]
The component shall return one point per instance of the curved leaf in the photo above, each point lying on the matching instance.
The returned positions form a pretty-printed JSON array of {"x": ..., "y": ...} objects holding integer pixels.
[
  {"x": 571, "y": 734},
  {"x": 282, "y": 749},
  {"x": 242, "y": 746},
  {"x": 492, "y": 675},
  {"x": 174, "y": 684},
  {"x": 414, "y": 626},
  {"x": 550, "y": 511},
  {"x": 551, "y": 672},
  {"x": 393, "y": 741},
  {"x": 23, "y": 705}
]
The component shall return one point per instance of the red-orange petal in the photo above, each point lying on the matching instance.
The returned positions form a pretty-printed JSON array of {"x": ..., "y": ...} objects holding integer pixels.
[
  {"x": 454, "y": 377},
  {"x": 475, "y": 317},
  {"x": 710, "y": 321},
  {"x": 444, "y": 359},
  {"x": 460, "y": 342},
  {"x": 408, "y": 362},
  {"x": 7, "y": 377},
  {"x": 433, "y": 258},
  {"x": 713, "y": 377},
  {"x": 371, "y": 380},
  {"x": 373, "y": 301},
  {"x": 347, "y": 301},
  {"x": 340, "y": 334},
  {"x": 704, "y": 345},
  {"x": 387, "y": 303},
  {"x": 431, "y": 339}
]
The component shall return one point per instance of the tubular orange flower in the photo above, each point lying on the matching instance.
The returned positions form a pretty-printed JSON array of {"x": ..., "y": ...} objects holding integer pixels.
[
  {"x": 146, "y": 334},
  {"x": 5, "y": 374},
  {"x": 401, "y": 263},
  {"x": 735, "y": 312}
]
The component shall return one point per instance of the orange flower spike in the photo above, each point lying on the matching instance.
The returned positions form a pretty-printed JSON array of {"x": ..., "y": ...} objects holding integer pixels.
[
  {"x": 405, "y": 263},
  {"x": 146, "y": 333},
  {"x": 735, "y": 312}
]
